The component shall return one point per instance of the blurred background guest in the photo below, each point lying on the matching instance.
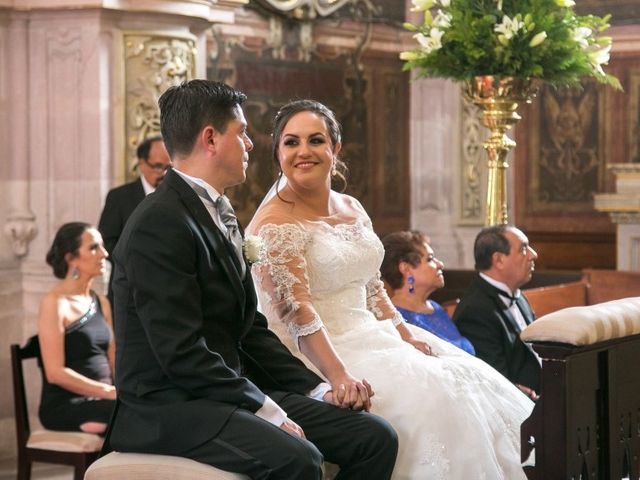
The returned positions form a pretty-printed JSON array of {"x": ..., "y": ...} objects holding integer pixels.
[
  {"x": 411, "y": 273},
  {"x": 75, "y": 334},
  {"x": 153, "y": 163}
]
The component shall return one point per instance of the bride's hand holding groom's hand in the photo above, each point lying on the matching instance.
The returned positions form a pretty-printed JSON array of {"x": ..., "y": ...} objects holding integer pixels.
[{"x": 347, "y": 392}]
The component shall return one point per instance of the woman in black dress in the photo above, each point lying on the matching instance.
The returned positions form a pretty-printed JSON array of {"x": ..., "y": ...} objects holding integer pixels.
[{"x": 75, "y": 333}]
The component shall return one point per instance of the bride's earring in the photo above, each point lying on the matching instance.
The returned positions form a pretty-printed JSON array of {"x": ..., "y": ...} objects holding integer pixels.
[
  {"x": 75, "y": 273},
  {"x": 411, "y": 281},
  {"x": 334, "y": 169}
]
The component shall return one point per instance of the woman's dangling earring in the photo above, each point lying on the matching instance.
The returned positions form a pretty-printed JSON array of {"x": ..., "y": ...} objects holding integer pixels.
[
  {"x": 75, "y": 273},
  {"x": 411, "y": 281},
  {"x": 334, "y": 168}
]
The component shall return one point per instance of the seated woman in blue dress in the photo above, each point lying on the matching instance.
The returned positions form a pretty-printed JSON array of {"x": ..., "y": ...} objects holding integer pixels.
[
  {"x": 411, "y": 273},
  {"x": 75, "y": 335}
]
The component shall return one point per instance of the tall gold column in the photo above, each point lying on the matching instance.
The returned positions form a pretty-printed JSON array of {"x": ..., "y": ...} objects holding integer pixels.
[{"x": 498, "y": 99}]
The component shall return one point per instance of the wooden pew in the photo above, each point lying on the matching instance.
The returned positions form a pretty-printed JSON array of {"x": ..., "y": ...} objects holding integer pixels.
[
  {"x": 545, "y": 300},
  {"x": 587, "y": 422}
]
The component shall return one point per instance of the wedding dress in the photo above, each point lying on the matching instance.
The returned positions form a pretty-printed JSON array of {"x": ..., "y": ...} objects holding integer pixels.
[{"x": 456, "y": 417}]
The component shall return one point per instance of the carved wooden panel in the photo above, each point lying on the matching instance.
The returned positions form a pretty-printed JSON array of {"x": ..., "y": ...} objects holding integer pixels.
[
  {"x": 565, "y": 141},
  {"x": 367, "y": 90},
  {"x": 622, "y": 11}
]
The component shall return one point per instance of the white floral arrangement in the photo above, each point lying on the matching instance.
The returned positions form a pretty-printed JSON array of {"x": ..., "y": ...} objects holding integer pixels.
[
  {"x": 543, "y": 39},
  {"x": 255, "y": 250}
]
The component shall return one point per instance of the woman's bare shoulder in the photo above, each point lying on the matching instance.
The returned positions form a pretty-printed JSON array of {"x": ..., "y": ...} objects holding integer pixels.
[{"x": 347, "y": 203}]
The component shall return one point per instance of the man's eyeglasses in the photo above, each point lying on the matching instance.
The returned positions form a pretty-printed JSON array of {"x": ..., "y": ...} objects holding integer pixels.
[{"x": 158, "y": 167}]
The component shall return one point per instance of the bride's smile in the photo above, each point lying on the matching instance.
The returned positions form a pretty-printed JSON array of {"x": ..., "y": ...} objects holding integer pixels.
[{"x": 306, "y": 152}]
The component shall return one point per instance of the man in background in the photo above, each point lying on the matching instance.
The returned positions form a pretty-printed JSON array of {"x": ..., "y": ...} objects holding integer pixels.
[
  {"x": 153, "y": 163},
  {"x": 493, "y": 311}
]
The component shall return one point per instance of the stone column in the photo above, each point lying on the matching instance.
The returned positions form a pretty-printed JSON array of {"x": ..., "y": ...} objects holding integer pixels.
[
  {"x": 67, "y": 96},
  {"x": 624, "y": 209}
]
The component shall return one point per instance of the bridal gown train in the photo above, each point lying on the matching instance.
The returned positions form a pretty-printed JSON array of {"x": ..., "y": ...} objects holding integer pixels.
[{"x": 456, "y": 417}]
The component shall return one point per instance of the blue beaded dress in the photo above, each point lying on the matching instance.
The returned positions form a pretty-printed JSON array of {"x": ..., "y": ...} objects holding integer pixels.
[{"x": 439, "y": 323}]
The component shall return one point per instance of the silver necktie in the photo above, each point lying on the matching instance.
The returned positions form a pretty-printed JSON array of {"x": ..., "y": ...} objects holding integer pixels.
[{"x": 229, "y": 219}]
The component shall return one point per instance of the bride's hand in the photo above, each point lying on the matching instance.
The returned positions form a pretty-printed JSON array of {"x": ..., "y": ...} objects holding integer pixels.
[
  {"x": 424, "y": 347},
  {"x": 347, "y": 392}
]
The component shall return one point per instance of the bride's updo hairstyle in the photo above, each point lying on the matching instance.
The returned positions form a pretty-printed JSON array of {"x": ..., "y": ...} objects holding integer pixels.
[
  {"x": 298, "y": 106},
  {"x": 67, "y": 240}
]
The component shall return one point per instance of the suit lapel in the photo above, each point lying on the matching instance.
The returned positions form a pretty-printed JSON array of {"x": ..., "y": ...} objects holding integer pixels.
[
  {"x": 525, "y": 308},
  {"x": 502, "y": 308},
  {"x": 212, "y": 233}
]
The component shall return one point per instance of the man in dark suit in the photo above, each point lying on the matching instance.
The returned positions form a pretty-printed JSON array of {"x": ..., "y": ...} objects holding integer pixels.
[
  {"x": 198, "y": 373},
  {"x": 153, "y": 163},
  {"x": 493, "y": 311}
]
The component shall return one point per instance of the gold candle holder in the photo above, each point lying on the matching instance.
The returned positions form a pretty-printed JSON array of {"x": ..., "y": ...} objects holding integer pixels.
[{"x": 498, "y": 99}]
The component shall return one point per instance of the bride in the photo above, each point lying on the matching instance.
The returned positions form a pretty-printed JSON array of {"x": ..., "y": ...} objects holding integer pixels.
[{"x": 456, "y": 417}]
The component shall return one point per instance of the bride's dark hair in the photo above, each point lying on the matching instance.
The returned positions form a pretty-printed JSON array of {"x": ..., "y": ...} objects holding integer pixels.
[{"x": 297, "y": 106}]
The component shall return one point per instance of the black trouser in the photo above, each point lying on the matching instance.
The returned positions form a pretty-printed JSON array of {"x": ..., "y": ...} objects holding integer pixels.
[{"x": 364, "y": 446}]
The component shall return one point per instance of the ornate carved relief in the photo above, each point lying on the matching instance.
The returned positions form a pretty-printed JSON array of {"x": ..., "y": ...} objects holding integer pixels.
[
  {"x": 153, "y": 63},
  {"x": 20, "y": 229},
  {"x": 473, "y": 178},
  {"x": 305, "y": 9},
  {"x": 566, "y": 149}
]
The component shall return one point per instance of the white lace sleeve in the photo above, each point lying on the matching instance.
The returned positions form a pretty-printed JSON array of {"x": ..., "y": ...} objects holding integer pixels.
[
  {"x": 378, "y": 302},
  {"x": 283, "y": 278}
]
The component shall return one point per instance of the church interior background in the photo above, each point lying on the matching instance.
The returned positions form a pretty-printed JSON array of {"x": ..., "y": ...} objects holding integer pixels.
[{"x": 79, "y": 82}]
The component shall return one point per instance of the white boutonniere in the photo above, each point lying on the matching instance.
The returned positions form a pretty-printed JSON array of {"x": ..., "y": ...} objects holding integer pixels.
[{"x": 254, "y": 249}]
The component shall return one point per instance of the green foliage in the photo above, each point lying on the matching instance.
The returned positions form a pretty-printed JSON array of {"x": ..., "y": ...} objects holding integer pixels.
[{"x": 544, "y": 39}]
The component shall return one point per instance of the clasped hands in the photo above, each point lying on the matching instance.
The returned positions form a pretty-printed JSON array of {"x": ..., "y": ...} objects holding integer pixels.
[{"x": 348, "y": 392}]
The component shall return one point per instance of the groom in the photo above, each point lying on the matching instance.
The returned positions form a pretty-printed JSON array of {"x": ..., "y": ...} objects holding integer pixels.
[{"x": 198, "y": 373}]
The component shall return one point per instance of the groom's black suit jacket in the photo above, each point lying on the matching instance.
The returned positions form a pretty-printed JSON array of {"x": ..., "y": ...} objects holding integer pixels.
[
  {"x": 485, "y": 320},
  {"x": 190, "y": 346}
]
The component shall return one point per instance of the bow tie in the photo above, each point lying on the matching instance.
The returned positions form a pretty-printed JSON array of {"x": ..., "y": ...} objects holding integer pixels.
[{"x": 512, "y": 298}]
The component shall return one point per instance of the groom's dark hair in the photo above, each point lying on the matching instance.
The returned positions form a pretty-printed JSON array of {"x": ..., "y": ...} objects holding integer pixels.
[{"x": 187, "y": 108}]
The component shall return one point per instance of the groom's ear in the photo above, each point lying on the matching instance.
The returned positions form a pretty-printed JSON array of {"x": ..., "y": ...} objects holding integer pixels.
[{"x": 208, "y": 138}]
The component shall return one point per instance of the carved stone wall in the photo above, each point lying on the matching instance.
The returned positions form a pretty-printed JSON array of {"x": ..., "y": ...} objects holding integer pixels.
[
  {"x": 62, "y": 112},
  {"x": 152, "y": 63}
]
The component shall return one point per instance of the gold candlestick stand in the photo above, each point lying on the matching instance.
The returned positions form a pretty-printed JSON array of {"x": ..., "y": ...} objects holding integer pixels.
[{"x": 498, "y": 98}]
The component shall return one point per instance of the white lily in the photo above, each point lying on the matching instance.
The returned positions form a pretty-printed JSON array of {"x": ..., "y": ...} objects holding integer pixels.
[
  {"x": 509, "y": 27},
  {"x": 442, "y": 20},
  {"x": 565, "y": 3},
  {"x": 445, "y": 3},
  {"x": 599, "y": 57},
  {"x": 581, "y": 35},
  {"x": 537, "y": 39},
  {"x": 421, "y": 5},
  {"x": 409, "y": 55},
  {"x": 500, "y": 5},
  {"x": 430, "y": 43}
]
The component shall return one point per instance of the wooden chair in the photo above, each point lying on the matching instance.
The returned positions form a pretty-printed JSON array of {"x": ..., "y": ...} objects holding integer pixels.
[
  {"x": 68, "y": 448},
  {"x": 450, "y": 306}
]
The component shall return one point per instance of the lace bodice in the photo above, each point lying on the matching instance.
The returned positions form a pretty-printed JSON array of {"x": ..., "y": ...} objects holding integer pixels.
[{"x": 314, "y": 268}]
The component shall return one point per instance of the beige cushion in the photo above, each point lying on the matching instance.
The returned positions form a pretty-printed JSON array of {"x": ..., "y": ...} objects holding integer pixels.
[
  {"x": 586, "y": 325},
  {"x": 144, "y": 466},
  {"x": 65, "y": 441}
]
